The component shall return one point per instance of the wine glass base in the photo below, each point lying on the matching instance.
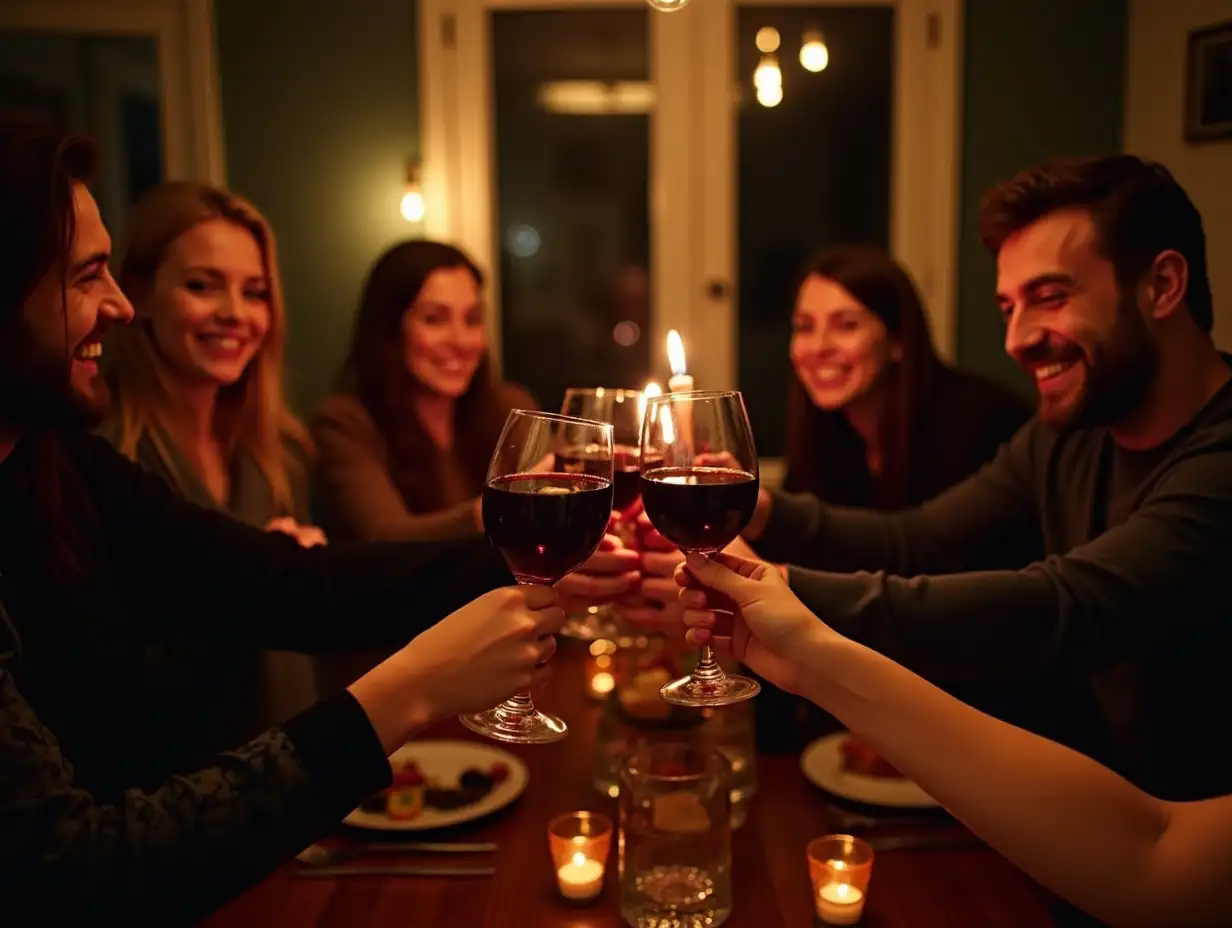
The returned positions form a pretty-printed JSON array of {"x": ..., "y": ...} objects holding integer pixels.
[
  {"x": 729, "y": 689},
  {"x": 502, "y": 725}
]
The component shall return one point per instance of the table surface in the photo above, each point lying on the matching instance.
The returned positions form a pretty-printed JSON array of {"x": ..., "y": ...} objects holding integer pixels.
[{"x": 946, "y": 888}]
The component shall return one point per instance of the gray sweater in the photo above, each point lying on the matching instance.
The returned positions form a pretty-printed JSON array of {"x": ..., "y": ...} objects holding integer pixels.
[{"x": 1066, "y": 555}]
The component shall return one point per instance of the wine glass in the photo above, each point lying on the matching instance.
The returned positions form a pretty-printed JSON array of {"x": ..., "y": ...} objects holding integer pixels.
[
  {"x": 699, "y": 489},
  {"x": 545, "y": 523},
  {"x": 624, "y": 409}
]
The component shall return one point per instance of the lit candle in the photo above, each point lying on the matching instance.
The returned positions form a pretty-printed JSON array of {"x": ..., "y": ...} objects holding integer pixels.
[
  {"x": 651, "y": 389},
  {"x": 681, "y": 381},
  {"x": 840, "y": 904},
  {"x": 580, "y": 878}
]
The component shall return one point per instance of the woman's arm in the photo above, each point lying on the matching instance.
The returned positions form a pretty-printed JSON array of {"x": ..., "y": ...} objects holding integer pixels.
[
  {"x": 356, "y": 487},
  {"x": 1072, "y": 824}
]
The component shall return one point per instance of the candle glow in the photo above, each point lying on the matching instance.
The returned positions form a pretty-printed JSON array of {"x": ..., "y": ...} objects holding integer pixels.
[{"x": 675, "y": 353}]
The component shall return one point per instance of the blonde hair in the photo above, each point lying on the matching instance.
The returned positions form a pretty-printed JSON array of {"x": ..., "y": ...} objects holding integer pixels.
[{"x": 251, "y": 414}]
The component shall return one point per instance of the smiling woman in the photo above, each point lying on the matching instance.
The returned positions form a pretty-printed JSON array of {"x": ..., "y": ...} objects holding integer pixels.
[{"x": 197, "y": 400}]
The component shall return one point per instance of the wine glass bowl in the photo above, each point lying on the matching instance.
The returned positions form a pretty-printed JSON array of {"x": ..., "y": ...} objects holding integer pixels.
[
  {"x": 546, "y": 522},
  {"x": 699, "y": 489},
  {"x": 624, "y": 409}
]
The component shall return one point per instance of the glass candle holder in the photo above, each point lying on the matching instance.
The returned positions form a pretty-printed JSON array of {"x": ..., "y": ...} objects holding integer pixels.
[
  {"x": 579, "y": 843},
  {"x": 840, "y": 867}
]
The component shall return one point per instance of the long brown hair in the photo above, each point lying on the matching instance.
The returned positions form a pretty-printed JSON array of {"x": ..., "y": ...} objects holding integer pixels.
[
  {"x": 825, "y": 455},
  {"x": 375, "y": 371},
  {"x": 38, "y": 169},
  {"x": 252, "y": 414}
]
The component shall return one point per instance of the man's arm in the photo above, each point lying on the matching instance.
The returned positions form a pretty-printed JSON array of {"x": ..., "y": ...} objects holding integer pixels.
[
  {"x": 989, "y": 520},
  {"x": 173, "y": 854},
  {"x": 1099, "y": 604},
  {"x": 189, "y": 570}
]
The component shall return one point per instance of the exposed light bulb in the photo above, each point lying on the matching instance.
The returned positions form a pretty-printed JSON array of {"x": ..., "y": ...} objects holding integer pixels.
[
  {"x": 768, "y": 73},
  {"x": 814, "y": 55},
  {"x": 770, "y": 95},
  {"x": 412, "y": 206},
  {"x": 667, "y": 6},
  {"x": 767, "y": 39}
]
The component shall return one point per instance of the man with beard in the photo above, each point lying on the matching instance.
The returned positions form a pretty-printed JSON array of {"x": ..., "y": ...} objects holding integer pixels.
[
  {"x": 98, "y": 560},
  {"x": 1093, "y": 551}
]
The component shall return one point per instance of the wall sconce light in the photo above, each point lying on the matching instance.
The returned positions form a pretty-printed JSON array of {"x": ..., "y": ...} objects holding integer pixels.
[{"x": 412, "y": 205}]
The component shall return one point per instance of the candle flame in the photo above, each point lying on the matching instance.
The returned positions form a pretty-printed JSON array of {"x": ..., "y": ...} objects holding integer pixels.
[
  {"x": 578, "y": 859},
  {"x": 675, "y": 353},
  {"x": 838, "y": 864},
  {"x": 651, "y": 389}
]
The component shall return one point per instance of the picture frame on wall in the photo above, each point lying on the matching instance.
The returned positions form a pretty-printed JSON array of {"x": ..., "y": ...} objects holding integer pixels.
[{"x": 1208, "y": 83}]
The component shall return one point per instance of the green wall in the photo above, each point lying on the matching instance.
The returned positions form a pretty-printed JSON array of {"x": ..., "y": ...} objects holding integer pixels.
[
  {"x": 320, "y": 116},
  {"x": 1042, "y": 78},
  {"x": 321, "y": 113}
]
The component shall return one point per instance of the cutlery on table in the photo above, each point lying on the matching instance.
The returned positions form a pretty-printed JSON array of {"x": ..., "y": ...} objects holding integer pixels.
[
  {"x": 316, "y": 855},
  {"x": 394, "y": 871}
]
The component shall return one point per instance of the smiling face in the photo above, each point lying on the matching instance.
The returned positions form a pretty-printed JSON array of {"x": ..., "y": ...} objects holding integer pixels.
[
  {"x": 839, "y": 348},
  {"x": 442, "y": 332},
  {"x": 209, "y": 307},
  {"x": 1084, "y": 339},
  {"x": 67, "y": 315}
]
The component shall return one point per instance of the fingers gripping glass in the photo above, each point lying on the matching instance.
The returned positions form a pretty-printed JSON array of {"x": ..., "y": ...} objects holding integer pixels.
[
  {"x": 699, "y": 489},
  {"x": 545, "y": 522}
]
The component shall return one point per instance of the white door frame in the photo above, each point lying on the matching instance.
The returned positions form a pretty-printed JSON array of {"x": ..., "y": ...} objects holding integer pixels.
[
  {"x": 693, "y": 157},
  {"x": 183, "y": 30}
]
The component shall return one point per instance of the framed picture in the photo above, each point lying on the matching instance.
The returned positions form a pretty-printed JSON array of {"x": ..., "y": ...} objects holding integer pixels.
[{"x": 1208, "y": 97}]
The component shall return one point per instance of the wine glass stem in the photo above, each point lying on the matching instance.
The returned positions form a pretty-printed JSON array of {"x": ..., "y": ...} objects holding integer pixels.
[
  {"x": 519, "y": 704},
  {"x": 708, "y": 669}
]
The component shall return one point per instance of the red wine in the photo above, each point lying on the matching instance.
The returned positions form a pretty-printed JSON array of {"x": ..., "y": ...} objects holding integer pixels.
[
  {"x": 546, "y": 525},
  {"x": 626, "y": 472},
  {"x": 699, "y": 508}
]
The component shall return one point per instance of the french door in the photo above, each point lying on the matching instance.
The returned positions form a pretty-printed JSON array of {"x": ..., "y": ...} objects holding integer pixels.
[{"x": 619, "y": 174}]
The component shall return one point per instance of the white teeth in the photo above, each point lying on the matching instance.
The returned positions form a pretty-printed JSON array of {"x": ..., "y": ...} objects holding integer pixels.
[
  {"x": 90, "y": 352},
  {"x": 224, "y": 342},
  {"x": 1051, "y": 370}
]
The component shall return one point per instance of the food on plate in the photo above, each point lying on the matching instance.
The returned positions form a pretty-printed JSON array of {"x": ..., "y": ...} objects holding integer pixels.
[
  {"x": 411, "y": 791},
  {"x": 859, "y": 757}
]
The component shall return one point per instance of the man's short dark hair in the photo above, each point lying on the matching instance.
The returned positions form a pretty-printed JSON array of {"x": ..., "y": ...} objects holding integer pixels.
[{"x": 1138, "y": 208}]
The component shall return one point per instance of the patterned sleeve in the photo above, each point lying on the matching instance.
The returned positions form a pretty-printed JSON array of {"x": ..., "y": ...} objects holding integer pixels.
[{"x": 178, "y": 851}]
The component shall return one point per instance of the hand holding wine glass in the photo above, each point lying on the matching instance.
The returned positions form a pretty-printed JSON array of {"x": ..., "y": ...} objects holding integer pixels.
[
  {"x": 699, "y": 487},
  {"x": 545, "y": 522}
]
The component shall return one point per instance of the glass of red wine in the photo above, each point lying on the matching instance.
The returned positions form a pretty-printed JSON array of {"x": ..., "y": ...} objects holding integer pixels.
[
  {"x": 699, "y": 489},
  {"x": 545, "y": 522}
]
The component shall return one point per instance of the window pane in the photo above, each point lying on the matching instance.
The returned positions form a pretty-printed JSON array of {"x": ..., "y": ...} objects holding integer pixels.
[
  {"x": 572, "y": 101},
  {"x": 814, "y": 170}
]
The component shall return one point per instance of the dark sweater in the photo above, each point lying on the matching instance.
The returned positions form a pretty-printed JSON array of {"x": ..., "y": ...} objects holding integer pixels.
[
  {"x": 93, "y": 819},
  {"x": 1067, "y": 555}
]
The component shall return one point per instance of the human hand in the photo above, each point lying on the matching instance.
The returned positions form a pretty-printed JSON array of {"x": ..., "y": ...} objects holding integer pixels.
[
  {"x": 608, "y": 574},
  {"x": 309, "y": 536},
  {"x": 771, "y": 627},
  {"x": 491, "y": 648},
  {"x": 656, "y": 606}
]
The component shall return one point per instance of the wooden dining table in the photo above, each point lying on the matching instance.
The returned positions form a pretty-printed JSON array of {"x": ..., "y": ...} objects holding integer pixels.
[{"x": 911, "y": 888}]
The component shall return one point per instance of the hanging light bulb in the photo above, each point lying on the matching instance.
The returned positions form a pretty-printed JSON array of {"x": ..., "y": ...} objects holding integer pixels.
[
  {"x": 667, "y": 6},
  {"x": 814, "y": 56},
  {"x": 767, "y": 39},
  {"x": 768, "y": 73},
  {"x": 770, "y": 94}
]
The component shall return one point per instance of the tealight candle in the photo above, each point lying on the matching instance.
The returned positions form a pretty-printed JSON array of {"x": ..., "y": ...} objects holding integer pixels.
[
  {"x": 580, "y": 878},
  {"x": 840, "y": 904},
  {"x": 840, "y": 868},
  {"x": 579, "y": 843}
]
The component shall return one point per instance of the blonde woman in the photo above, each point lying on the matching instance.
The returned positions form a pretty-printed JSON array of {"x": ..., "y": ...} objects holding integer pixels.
[{"x": 197, "y": 399}]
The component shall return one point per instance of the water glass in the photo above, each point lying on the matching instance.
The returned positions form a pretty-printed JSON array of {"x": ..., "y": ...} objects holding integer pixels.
[{"x": 675, "y": 836}]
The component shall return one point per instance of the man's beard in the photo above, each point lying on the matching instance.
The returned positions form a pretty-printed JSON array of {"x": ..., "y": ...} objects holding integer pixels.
[
  {"x": 1119, "y": 371},
  {"x": 37, "y": 392}
]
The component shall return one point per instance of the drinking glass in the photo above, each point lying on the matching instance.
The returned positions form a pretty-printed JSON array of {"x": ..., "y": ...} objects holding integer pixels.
[
  {"x": 545, "y": 522},
  {"x": 699, "y": 489},
  {"x": 675, "y": 836},
  {"x": 623, "y": 408}
]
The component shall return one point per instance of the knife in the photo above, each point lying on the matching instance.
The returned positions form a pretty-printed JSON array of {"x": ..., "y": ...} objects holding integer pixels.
[{"x": 394, "y": 871}]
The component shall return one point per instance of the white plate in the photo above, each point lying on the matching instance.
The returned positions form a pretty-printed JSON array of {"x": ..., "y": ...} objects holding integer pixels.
[
  {"x": 822, "y": 763},
  {"x": 444, "y": 761}
]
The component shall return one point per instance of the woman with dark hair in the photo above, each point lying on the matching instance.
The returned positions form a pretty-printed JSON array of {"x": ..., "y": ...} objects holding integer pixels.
[
  {"x": 403, "y": 450},
  {"x": 876, "y": 419}
]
